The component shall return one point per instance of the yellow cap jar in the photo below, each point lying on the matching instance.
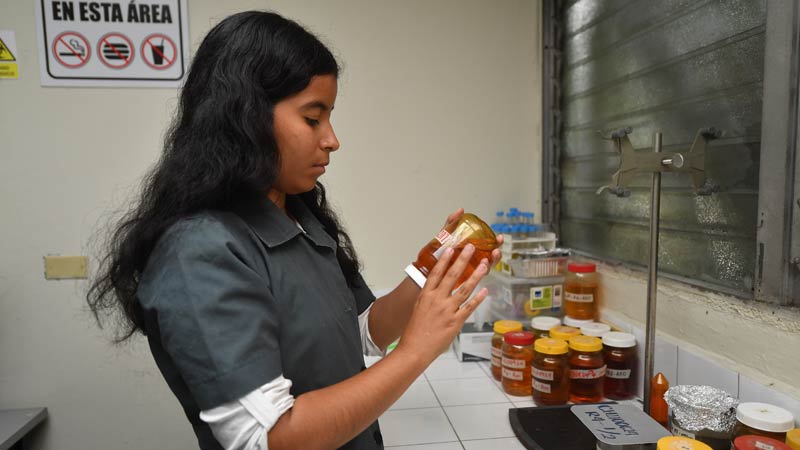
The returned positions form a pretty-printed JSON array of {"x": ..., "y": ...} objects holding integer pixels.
[
  {"x": 550, "y": 372},
  {"x": 680, "y": 443},
  {"x": 793, "y": 438},
  {"x": 501, "y": 327},
  {"x": 563, "y": 332}
]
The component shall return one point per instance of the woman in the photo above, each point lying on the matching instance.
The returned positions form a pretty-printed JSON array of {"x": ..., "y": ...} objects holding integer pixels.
[{"x": 239, "y": 274}]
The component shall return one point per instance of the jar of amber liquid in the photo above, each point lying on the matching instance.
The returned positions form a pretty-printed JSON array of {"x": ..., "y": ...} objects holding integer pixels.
[
  {"x": 586, "y": 369},
  {"x": 762, "y": 419},
  {"x": 501, "y": 327},
  {"x": 517, "y": 357},
  {"x": 580, "y": 290},
  {"x": 619, "y": 353},
  {"x": 550, "y": 372},
  {"x": 468, "y": 230},
  {"x": 564, "y": 332},
  {"x": 541, "y": 325}
]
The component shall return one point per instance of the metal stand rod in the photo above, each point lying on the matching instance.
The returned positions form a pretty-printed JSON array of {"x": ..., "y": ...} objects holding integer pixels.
[{"x": 652, "y": 279}]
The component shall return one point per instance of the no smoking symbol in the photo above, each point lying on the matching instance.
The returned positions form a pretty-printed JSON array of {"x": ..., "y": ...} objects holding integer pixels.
[
  {"x": 115, "y": 50},
  {"x": 158, "y": 51},
  {"x": 71, "y": 49}
]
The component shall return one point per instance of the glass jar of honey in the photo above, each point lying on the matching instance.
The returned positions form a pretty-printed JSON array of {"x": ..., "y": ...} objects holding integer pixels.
[
  {"x": 501, "y": 327},
  {"x": 517, "y": 357},
  {"x": 550, "y": 372},
  {"x": 586, "y": 369},
  {"x": 541, "y": 325},
  {"x": 619, "y": 353},
  {"x": 580, "y": 290},
  {"x": 564, "y": 332},
  {"x": 469, "y": 229},
  {"x": 762, "y": 419}
]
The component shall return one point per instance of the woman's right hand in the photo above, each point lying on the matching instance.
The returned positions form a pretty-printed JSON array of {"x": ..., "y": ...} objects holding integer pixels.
[{"x": 440, "y": 312}]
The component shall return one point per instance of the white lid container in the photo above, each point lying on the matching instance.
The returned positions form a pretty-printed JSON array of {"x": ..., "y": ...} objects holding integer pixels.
[
  {"x": 619, "y": 340},
  {"x": 595, "y": 329},
  {"x": 577, "y": 323},
  {"x": 544, "y": 323},
  {"x": 763, "y": 416}
]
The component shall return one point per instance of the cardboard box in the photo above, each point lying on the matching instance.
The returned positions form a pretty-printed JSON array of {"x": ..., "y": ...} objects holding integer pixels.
[{"x": 474, "y": 342}]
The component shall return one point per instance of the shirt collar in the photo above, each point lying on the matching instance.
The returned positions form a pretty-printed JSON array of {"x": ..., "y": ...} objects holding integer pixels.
[{"x": 274, "y": 227}]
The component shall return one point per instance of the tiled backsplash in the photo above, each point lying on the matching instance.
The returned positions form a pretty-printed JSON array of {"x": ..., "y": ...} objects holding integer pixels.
[{"x": 682, "y": 366}]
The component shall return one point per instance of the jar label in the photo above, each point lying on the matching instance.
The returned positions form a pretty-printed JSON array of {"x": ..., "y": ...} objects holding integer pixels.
[
  {"x": 445, "y": 239},
  {"x": 513, "y": 363},
  {"x": 619, "y": 374},
  {"x": 498, "y": 352},
  {"x": 495, "y": 361},
  {"x": 542, "y": 374},
  {"x": 763, "y": 446},
  {"x": 545, "y": 297},
  {"x": 678, "y": 431},
  {"x": 580, "y": 298},
  {"x": 587, "y": 374},
  {"x": 541, "y": 387},
  {"x": 512, "y": 374}
]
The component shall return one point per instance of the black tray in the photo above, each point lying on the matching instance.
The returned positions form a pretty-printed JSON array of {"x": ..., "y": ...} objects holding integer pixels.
[{"x": 551, "y": 428}]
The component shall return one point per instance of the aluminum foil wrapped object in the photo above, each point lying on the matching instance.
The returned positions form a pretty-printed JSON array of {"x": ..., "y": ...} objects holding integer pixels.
[{"x": 702, "y": 407}]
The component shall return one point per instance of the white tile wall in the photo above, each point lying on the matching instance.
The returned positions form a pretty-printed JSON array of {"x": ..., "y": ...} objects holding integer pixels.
[
  {"x": 665, "y": 359},
  {"x": 696, "y": 369}
]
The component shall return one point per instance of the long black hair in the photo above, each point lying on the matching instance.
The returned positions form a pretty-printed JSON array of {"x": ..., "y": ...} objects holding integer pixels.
[{"x": 220, "y": 147}]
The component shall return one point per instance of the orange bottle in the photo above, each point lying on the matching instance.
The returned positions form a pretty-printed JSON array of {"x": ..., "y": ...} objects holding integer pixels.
[
  {"x": 468, "y": 230},
  {"x": 658, "y": 406}
]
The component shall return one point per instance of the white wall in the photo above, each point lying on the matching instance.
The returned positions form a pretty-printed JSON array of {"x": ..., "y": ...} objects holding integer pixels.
[{"x": 438, "y": 107}]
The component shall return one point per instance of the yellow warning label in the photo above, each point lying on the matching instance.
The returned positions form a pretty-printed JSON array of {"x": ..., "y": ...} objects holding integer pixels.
[
  {"x": 5, "y": 53},
  {"x": 8, "y": 70}
]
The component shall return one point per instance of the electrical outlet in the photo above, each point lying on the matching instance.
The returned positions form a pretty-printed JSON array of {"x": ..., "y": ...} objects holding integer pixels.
[{"x": 65, "y": 267}]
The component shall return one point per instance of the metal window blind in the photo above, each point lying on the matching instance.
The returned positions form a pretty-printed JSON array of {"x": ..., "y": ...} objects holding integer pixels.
[{"x": 674, "y": 66}]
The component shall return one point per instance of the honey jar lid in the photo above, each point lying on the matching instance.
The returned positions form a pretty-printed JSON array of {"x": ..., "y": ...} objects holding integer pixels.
[
  {"x": 619, "y": 339},
  {"x": 766, "y": 417},
  {"x": 550, "y": 346},
  {"x": 586, "y": 343},
  {"x": 577, "y": 323},
  {"x": 544, "y": 322},
  {"x": 752, "y": 442},
  {"x": 793, "y": 438},
  {"x": 595, "y": 329},
  {"x": 518, "y": 338},
  {"x": 563, "y": 332},
  {"x": 581, "y": 267},
  {"x": 680, "y": 443},
  {"x": 504, "y": 326}
]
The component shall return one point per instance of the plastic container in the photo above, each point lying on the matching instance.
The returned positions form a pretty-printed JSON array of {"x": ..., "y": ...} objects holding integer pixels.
[
  {"x": 541, "y": 325},
  {"x": 793, "y": 439},
  {"x": 522, "y": 298},
  {"x": 468, "y": 230},
  {"x": 500, "y": 328},
  {"x": 580, "y": 290},
  {"x": 751, "y": 442},
  {"x": 576, "y": 323},
  {"x": 762, "y": 419},
  {"x": 595, "y": 329},
  {"x": 680, "y": 443},
  {"x": 517, "y": 357},
  {"x": 587, "y": 369},
  {"x": 538, "y": 263},
  {"x": 514, "y": 247},
  {"x": 619, "y": 353},
  {"x": 550, "y": 372}
]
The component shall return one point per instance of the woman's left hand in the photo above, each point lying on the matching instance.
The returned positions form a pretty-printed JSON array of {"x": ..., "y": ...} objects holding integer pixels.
[{"x": 455, "y": 216}]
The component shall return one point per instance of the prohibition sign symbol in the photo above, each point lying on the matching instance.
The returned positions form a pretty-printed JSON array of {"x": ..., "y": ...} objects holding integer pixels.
[
  {"x": 71, "y": 49},
  {"x": 158, "y": 51},
  {"x": 115, "y": 50}
]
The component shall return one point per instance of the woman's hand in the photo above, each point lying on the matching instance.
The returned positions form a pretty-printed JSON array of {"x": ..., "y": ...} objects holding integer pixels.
[
  {"x": 440, "y": 312},
  {"x": 455, "y": 216}
]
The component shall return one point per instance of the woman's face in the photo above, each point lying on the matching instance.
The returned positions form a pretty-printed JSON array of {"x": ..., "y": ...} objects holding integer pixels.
[{"x": 304, "y": 134}]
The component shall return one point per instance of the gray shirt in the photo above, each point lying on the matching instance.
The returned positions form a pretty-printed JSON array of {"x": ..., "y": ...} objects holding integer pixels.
[{"x": 231, "y": 300}]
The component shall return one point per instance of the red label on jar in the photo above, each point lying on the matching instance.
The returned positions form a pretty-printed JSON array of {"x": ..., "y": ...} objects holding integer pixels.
[
  {"x": 514, "y": 363},
  {"x": 542, "y": 374},
  {"x": 587, "y": 374},
  {"x": 442, "y": 237},
  {"x": 618, "y": 374},
  {"x": 541, "y": 387},
  {"x": 512, "y": 374}
]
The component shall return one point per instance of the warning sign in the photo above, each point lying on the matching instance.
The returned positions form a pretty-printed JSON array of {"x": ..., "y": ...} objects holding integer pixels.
[
  {"x": 8, "y": 48},
  {"x": 112, "y": 43}
]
